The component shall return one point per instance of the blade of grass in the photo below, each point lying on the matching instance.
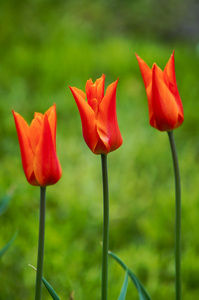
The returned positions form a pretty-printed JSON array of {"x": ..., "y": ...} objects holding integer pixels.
[
  {"x": 4, "y": 202},
  {"x": 48, "y": 287},
  {"x": 5, "y": 248},
  {"x": 143, "y": 294},
  {"x": 122, "y": 295}
]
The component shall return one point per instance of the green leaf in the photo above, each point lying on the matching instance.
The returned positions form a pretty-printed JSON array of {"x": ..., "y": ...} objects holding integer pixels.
[
  {"x": 143, "y": 294},
  {"x": 48, "y": 286},
  {"x": 122, "y": 295},
  {"x": 50, "y": 289},
  {"x": 4, "y": 202},
  {"x": 5, "y": 248},
  {"x": 118, "y": 260}
]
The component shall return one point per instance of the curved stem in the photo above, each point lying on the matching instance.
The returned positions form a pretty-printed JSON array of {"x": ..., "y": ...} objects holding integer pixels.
[
  {"x": 177, "y": 217},
  {"x": 105, "y": 228},
  {"x": 40, "y": 256}
]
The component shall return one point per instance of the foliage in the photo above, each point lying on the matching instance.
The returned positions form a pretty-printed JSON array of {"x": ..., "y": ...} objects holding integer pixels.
[{"x": 143, "y": 294}]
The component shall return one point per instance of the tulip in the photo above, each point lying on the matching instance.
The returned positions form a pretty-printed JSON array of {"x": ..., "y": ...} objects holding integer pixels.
[
  {"x": 38, "y": 147},
  {"x": 164, "y": 103},
  {"x": 98, "y": 116}
]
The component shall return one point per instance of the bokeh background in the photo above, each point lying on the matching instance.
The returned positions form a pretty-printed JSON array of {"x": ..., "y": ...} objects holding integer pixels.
[{"x": 45, "y": 46}]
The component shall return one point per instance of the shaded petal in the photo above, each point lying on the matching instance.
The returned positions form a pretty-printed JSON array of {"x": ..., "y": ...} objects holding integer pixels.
[
  {"x": 147, "y": 78},
  {"x": 95, "y": 90},
  {"x": 91, "y": 90},
  {"x": 87, "y": 118},
  {"x": 38, "y": 116},
  {"x": 165, "y": 107},
  {"x": 52, "y": 119},
  {"x": 170, "y": 79},
  {"x": 27, "y": 155},
  {"x": 100, "y": 87},
  {"x": 47, "y": 168},
  {"x": 35, "y": 130},
  {"x": 101, "y": 147},
  {"x": 145, "y": 71},
  {"x": 107, "y": 125},
  {"x": 169, "y": 72}
]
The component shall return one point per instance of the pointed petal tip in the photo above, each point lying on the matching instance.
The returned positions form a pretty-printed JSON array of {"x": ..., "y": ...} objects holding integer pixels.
[
  {"x": 172, "y": 55},
  {"x": 14, "y": 112},
  {"x": 155, "y": 68},
  {"x": 138, "y": 57},
  {"x": 52, "y": 108},
  {"x": 16, "y": 115},
  {"x": 72, "y": 88}
]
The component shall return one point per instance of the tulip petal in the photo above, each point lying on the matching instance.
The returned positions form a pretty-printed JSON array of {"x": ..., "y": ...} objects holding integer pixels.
[
  {"x": 170, "y": 79},
  {"x": 87, "y": 118},
  {"x": 107, "y": 125},
  {"x": 47, "y": 168},
  {"x": 165, "y": 107},
  {"x": 95, "y": 90},
  {"x": 100, "y": 87},
  {"x": 52, "y": 119},
  {"x": 147, "y": 78},
  {"x": 145, "y": 71},
  {"x": 90, "y": 90},
  {"x": 35, "y": 130},
  {"x": 169, "y": 72},
  {"x": 27, "y": 155}
]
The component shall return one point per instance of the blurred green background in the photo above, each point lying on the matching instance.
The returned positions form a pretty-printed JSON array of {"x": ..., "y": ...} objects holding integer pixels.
[{"x": 45, "y": 46}]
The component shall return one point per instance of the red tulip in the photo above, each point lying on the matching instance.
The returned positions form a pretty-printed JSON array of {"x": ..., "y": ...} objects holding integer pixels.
[
  {"x": 98, "y": 116},
  {"x": 38, "y": 147},
  {"x": 165, "y": 106}
]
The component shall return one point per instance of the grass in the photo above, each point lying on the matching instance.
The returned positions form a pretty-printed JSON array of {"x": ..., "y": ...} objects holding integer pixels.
[{"x": 40, "y": 59}]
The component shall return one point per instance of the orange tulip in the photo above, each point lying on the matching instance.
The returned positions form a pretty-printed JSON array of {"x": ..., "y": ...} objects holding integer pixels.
[
  {"x": 98, "y": 116},
  {"x": 165, "y": 106},
  {"x": 38, "y": 147}
]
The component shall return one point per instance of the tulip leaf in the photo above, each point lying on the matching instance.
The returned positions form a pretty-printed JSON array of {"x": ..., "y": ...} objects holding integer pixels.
[
  {"x": 122, "y": 295},
  {"x": 143, "y": 294},
  {"x": 118, "y": 260},
  {"x": 48, "y": 287},
  {"x": 5, "y": 248},
  {"x": 4, "y": 202}
]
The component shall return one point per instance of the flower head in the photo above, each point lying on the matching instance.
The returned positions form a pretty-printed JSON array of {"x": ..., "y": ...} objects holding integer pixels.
[
  {"x": 38, "y": 147},
  {"x": 98, "y": 116},
  {"x": 165, "y": 106}
]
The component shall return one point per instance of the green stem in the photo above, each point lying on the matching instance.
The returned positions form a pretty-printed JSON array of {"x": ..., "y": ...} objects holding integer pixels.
[
  {"x": 40, "y": 256},
  {"x": 105, "y": 227},
  {"x": 177, "y": 217}
]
